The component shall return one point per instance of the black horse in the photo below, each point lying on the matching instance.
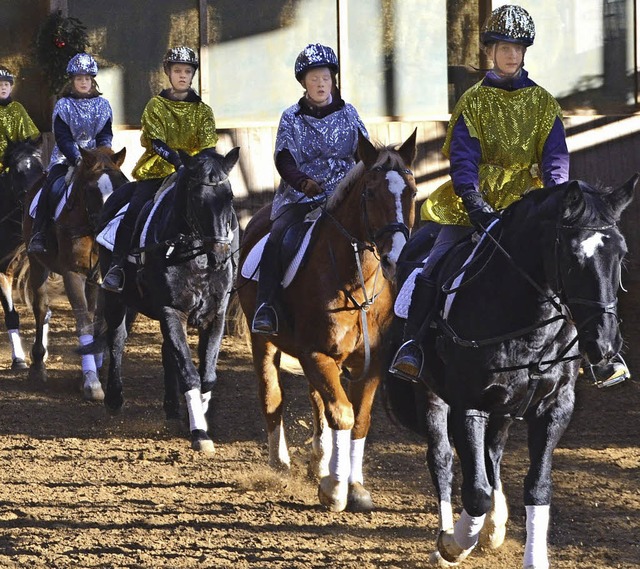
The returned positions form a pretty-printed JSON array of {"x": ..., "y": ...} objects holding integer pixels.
[
  {"x": 23, "y": 163},
  {"x": 184, "y": 277},
  {"x": 538, "y": 295}
]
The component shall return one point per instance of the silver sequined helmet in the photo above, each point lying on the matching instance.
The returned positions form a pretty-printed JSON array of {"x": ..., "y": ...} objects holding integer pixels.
[
  {"x": 82, "y": 64},
  {"x": 180, "y": 54},
  {"x": 509, "y": 23},
  {"x": 6, "y": 75},
  {"x": 315, "y": 55}
]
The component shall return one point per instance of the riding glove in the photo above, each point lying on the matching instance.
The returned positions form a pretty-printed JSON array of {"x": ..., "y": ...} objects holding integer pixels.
[
  {"x": 311, "y": 188},
  {"x": 480, "y": 212}
]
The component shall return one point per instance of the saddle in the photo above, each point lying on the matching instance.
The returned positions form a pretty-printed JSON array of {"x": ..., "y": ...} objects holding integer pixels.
[{"x": 293, "y": 251}]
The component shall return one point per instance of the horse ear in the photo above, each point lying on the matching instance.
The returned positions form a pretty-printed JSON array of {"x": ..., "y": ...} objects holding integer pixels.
[
  {"x": 408, "y": 149},
  {"x": 37, "y": 140},
  {"x": 185, "y": 157},
  {"x": 230, "y": 159},
  {"x": 366, "y": 151},
  {"x": 621, "y": 197},
  {"x": 118, "y": 157},
  {"x": 573, "y": 203},
  {"x": 88, "y": 158}
]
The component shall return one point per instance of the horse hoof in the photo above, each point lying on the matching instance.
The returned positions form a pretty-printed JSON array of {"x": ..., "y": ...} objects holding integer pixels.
[
  {"x": 436, "y": 560},
  {"x": 18, "y": 363},
  {"x": 201, "y": 442},
  {"x": 449, "y": 549},
  {"x": 492, "y": 535},
  {"x": 333, "y": 494},
  {"x": 92, "y": 388},
  {"x": 359, "y": 498},
  {"x": 37, "y": 373}
]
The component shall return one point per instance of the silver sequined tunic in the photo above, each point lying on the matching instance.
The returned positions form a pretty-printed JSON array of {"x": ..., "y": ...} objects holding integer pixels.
[
  {"x": 324, "y": 149},
  {"x": 85, "y": 117}
]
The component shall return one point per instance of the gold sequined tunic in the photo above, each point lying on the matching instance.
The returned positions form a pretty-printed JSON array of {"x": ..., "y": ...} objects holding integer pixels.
[
  {"x": 512, "y": 127},
  {"x": 182, "y": 125},
  {"x": 15, "y": 125}
]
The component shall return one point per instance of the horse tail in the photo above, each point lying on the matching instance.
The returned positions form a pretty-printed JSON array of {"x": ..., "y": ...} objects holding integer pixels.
[
  {"x": 235, "y": 322},
  {"x": 405, "y": 402}
]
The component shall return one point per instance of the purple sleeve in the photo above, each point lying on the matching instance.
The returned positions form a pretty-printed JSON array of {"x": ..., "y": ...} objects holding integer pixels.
[
  {"x": 105, "y": 136},
  {"x": 555, "y": 156},
  {"x": 64, "y": 140},
  {"x": 464, "y": 156},
  {"x": 288, "y": 169}
]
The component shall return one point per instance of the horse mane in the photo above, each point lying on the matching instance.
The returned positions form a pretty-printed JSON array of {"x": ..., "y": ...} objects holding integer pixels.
[{"x": 388, "y": 159}]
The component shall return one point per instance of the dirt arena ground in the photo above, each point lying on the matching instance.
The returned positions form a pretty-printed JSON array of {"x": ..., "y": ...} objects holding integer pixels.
[{"x": 80, "y": 488}]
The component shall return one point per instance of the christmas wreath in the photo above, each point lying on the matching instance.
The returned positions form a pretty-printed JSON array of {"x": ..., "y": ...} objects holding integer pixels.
[{"x": 58, "y": 40}]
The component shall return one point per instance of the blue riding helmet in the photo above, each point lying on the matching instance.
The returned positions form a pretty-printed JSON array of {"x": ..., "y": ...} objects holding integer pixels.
[
  {"x": 6, "y": 75},
  {"x": 315, "y": 55},
  {"x": 181, "y": 54},
  {"x": 82, "y": 64},
  {"x": 509, "y": 23}
]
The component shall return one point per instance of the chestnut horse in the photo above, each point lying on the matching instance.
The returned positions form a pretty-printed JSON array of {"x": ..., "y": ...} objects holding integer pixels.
[
  {"x": 24, "y": 169},
  {"x": 334, "y": 312},
  {"x": 72, "y": 253}
]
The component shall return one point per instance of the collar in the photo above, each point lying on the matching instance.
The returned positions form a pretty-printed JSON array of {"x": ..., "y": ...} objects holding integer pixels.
[
  {"x": 192, "y": 96},
  {"x": 5, "y": 102},
  {"x": 307, "y": 108}
]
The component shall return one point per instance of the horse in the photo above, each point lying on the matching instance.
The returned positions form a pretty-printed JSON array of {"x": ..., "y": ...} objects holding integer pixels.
[
  {"x": 72, "y": 253},
  {"x": 333, "y": 313},
  {"x": 185, "y": 276},
  {"x": 23, "y": 162},
  {"x": 518, "y": 312}
]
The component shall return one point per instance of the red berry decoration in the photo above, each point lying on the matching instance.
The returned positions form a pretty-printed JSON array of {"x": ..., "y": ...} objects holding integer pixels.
[{"x": 59, "y": 43}]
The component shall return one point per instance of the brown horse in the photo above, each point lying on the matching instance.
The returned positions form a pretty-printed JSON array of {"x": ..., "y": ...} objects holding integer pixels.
[
  {"x": 335, "y": 311},
  {"x": 72, "y": 253}
]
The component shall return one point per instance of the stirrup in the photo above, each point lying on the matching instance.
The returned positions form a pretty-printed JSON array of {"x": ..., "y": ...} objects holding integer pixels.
[
  {"x": 619, "y": 372},
  {"x": 404, "y": 370},
  {"x": 114, "y": 279},
  {"x": 258, "y": 327}
]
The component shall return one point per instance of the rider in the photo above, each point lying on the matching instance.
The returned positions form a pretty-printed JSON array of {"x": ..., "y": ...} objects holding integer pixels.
[
  {"x": 505, "y": 136},
  {"x": 82, "y": 118},
  {"x": 15, "y": 124},
  {"x": 315, "y": 147},
  {"x": 176, "y": 119}
]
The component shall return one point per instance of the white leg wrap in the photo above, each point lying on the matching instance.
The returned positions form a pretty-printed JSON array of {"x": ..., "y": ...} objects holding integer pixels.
[
  {"x": 45, "y": 335},
  {"x": 88, "y": 362},
  {"x": 16, "y": 345},
  {"x": 339, "y": 465},
  {"x": 357, "y": 454},
  {"x": 535, "y": 549},
  {"x": 197, "y": 419},
  {"x": 278, "y": 451},
  {"x": 467, "y": 530},
  {"x": 446, "y": 515}
]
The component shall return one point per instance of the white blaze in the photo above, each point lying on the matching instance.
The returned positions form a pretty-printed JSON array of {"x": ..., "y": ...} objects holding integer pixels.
[
  {"x": 396, "y": 186},
  {"x": 589, "y": 246},
  {"x": 105, "y": 185}
]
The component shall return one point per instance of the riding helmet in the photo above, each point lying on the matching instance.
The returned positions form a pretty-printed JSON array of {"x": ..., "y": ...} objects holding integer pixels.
[
  {"x": 6, "y": 75},
  {"x": 509, "y": 23},
  {"x": 82, "y": 64},
  {"x": 181, "y": 54},
  {"x": 315, "y": 55}
]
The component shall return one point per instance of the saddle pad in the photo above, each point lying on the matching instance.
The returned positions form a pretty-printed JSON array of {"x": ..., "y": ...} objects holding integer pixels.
[
  {"x": 107, "y": 237},
  {"x": 403, "y": 300},
  {"x": 251, "y": 266},
  {"x": 56, "y": 190}
]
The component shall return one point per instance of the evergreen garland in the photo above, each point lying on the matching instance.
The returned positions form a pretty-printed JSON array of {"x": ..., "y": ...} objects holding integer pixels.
[{"x": 58, "y": 40}]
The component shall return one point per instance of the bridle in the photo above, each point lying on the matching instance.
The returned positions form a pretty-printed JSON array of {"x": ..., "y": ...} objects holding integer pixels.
[{"x": 360, "y": 247}]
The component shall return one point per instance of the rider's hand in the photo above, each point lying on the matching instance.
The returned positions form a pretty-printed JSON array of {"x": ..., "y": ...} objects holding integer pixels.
[
  {"x": 481, "y": 214},
  {"x": 311, "y": 188}
]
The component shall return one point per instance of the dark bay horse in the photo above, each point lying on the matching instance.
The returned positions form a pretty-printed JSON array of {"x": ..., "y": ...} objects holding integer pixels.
[
  {"x": 184, "y": 278},
  {"x": 336, "y": 308},
  {"x": 72, "y": 253},
  {"x": 23, "y": 162},
  {"x": 539, "y": 294}
]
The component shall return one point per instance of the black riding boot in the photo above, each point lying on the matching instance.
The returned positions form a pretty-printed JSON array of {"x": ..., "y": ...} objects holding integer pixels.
[
  {"x": 265, "y": 319},
  {"x": 408, "y": 361},
  {"x": 114, "y": 278},
  {"x": 38, "y": 242}
]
